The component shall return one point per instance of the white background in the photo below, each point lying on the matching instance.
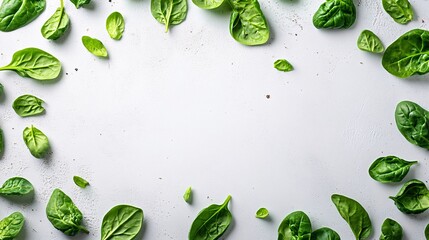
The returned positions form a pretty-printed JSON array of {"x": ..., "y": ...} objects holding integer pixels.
[{"x": 189, "y": 108}]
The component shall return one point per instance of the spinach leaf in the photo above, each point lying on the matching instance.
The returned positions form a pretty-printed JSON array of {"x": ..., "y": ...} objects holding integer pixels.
[
  {"x": 212, "y": 222},
  {"x": 335, "y": 14},
  {"x": 94, "y": 46},
  {"x": 80, "y": 182},
  {"x": 295, "y": 226},
  {"x": 427, "y": 232},
  {"x": 18, "y": 13},
  {"x": 399, "y": 10},
  {"x": 413, "y": 123},
  {"x": 325, "y": 234},
  {"x": 169, "y": 12},
  {"x": 369, "y": 42},
  {"x": 122, "y": 222},
  {"x": 115, "y": 25},
  {"x": 28, "y": 105},
  {"x": 11, "y": 226},
  {"x": 408, "y": 54},
  {"x": 36, "y": 141},
  {"x": 208, "y": 4},
  {"x": 262, "y": 213},
  {"x": 391, "y": 230},
  {"x": 80, "y": 3},
  {"x": 412, "y": 198},
  {"x": 283, "y": 65},
  {"x": 16, "y": 186},
  {"x": 57, "y": 24},
  {"x": 389, "y": 169},
  {"x": 34, "y": 63},
  {"x": 63, "y": 214},
  {"x": 1, "y": 142},
  {"x": 188, "y": 195},
  {"x": 354, "y": 214},
  {"x": 248, "y": 25},
  {"x": 1, "y": 90}
]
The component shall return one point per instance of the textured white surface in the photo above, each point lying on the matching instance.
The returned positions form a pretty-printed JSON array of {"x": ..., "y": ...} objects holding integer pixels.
[{"x": 189, "y": 108}]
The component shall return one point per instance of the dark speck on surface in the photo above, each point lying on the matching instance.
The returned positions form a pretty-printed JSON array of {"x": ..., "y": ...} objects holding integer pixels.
[
  {"x": 76, "y": 69},
  {"x": 268, "y": 96}
]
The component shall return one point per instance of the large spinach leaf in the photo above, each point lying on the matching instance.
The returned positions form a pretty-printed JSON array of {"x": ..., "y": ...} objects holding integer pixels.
[
  {"x": 354, "y": 214},
  {"x": 295, "y": 226},
  {"x": 412, "y": 198},
  {"x": 208, "y": 4},
  {"x": 391, "y": 230},
  {"x": 16, "y": 186},
  {"x": 389, "y": 169},
  {"x": 18, "y": 13},
  {"x": 57, "y": 24},
  {"x": 36, "y": 141},
  {"x": 412, "y": 121},
  {"x": 169, "y": 12},
  {"x": 122, "y": 222},
  {"x": 11, "y": 226},
  {"x": 400, "y": 10},
  {"x": 325, "y": 234},
  {"x": 28, "y": 105},
  {"x": 335, "y": 14},
  {"x": 94, "y": 46},
  {"x": 115, "y": 25},
  {"x": 370, "y": 42}
]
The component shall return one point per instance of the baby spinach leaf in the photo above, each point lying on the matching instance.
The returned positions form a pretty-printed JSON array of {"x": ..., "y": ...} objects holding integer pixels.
[
  {"x": 16, "y": 186},
  {"x": 283, "y": 65},
  {"x": 115, "y": 25},
  {"x": 354, "y": 214},
  {"x": 80, "y": 182},
  {"x": 18, "y": 13},
  {"x": 391, "y": 230},
  {"x": 122, "y": 222},
  {"x": 335, "y": 14},
  {"x": 389, "y": 169},
  {"x": 407, "y": 55},
  {"x": 248, "y": 25},
  {"x": 295, "y": 226},
  {"x": 94, "y": 46},
  {"x": 11, "y": 226},
  {"x": 208, "y": 4},
  {"x": 412, "y": 198},
  {"x": 325, "y": 234},
  {"x": 34, "y": 63},
  {"x": 188, "y": 195},
  {"x": 169, "y": 12},
  {"x": 80, "y": 3},
  {"x": 212, "y": 222},
  {"x": 57, "y": 24},
  {"x": 399, "y": 10},
  {"x": 36, "y": 141},
  {"x": 413, "y": 123},
  {"x": 427, "y": 232},
  {"x": 28, "y": 105},
  {"x": 262, "y": 213},
  {"x": 369, "y": 42},
  {"x": 63, "y": 214}
]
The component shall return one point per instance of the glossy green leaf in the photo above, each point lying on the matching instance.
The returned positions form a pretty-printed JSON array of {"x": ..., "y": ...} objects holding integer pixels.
[
  {"x": 335, "y": 14},
  {"x": 28, "y": 105},
  {"x": 94, "y": 46},
  {"x": 262, "y": 213},
  {"x": 115, "y": 25},
  {"x": 391, "y": 230},
  {"x": 169, "y": 12},
  {"x": 283, "y": 65},
  {"x": 208, "y": 4},
  {"x": 369, "y": 42},
  {"x": 15, "y": 14},
  {"x": 295, "y": 226},
  {"x": 187, "y": 196},
  {"x": 354, "y": 214},
  {"x": 11, "y": 226},
  {"x": 36, "y": 141},
  {"x": 412, "y": 121},
  {"x": 212, "y": 222},
  {"x": 400, "y": 10},
  {"x": 80, "y": 3},
  {"x": 122, "y": 222},
  {"x": 325, "y": 234},
  {"x": 80, "y": 182},
  {"x": 427, "y": 232},
  {"x": 16, "y": 186},
  {"x": 412, "y": 198},
  {"x": 389, "y": 169},
  {"x": 57, "y": 24}
]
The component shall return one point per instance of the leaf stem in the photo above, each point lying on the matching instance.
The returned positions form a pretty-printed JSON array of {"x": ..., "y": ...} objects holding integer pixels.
[
  {"x": 227, "y": 200},
  {"x": 62, "y": 3}
]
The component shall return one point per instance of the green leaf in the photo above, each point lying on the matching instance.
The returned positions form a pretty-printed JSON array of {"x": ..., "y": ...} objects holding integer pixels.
[
  {"x": 208, "y": 4},
  {"x": 412, "y": 198},
  {"x": 354, "y": 214},
  {"x": 1, "y": 142},
  {"x": 369, "y": 42},
  {"x": 57, "y": 24},
  {"x": 63, "y": 214},
  {"x": 325, "y": 234},
  {"x": 80, "y": 3},
  {"x": 391, "y": 230},
  {"x": 94, "y": 46},
  {"x": 295, "y": 226},
  {"x": 15, "y": 14},
  {"x": 122, "y": 222},
  {"x": 115, "y": 25},
  {"x": 16, "y": 186},
  {"x": 36, "y": 141},
  {"x": 248, "y": 25},
  {"x": 283, "y": 65},
  {"x": 335, "y": 14},
  {"x": 400, "y": 10},
  {"x": 80, "y": 182},
  {"x": 389, "y": 169},
  {"x": 413, "y": 123},
  {"x": 212, "y": 222},
  {"x": 262, "y": 213},
  {"x": 169, "y": 12},
  {"x": 11, "y": 226},
  {"x": 34, "y": 63},
  {"x": 1, "y": 90},
  {"x": 427, "y": 232},
  {"x": 28, "y": 105},
  {"x": 188, "y": 195}
]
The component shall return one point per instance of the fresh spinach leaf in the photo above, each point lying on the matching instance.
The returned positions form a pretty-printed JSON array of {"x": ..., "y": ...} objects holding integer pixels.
[
  {"x": 11, "y": 226},
  {"x": 122, "y": 222},
  {"x": 28, "y": 105},
  {"x": 248, "y": 25},
  {"x": 1, "y": 90},
  {"x": 188, "y": 195},
  {"x": 80, "y": 3},
  {"x": 325, "y": 234},
  {"x": 412, "y": 198},
  {"x": 407, "y": 55},
  {"x": 34, "y": 63},
  {"x": 354, "y": 214},
  {"x": 391, "y": 230},
  {"x": 16, "y": 186},
  {"x": 212, "y": 222},
  {"x": 169, "y": 12},
  {"x": 413, "y": 123},
  {"x": 335, "y": 14},
  {"x": 115, "y": 25},
  {"x": 208, "y": 4},
  {"x": 262, "y": 213},
  {"x": 389, "y": 169},
  {"x": 36, "y": 141},
  {"x": 400, "y": 10},
  {"x": 18, "y": 13},
  {"x": 283, "y": 65},
  {"x": 63, "y": 214},
  {"x": 427, "y": 232},
  {"x": 80, "y": 182},
  {"x": 370, "y": 42},
  {"x": 295, "y": 226},
  {"x": 57, "y": 24},
  {"x": 1, "y": 142},
  {"x": 94, "y": 46}
]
